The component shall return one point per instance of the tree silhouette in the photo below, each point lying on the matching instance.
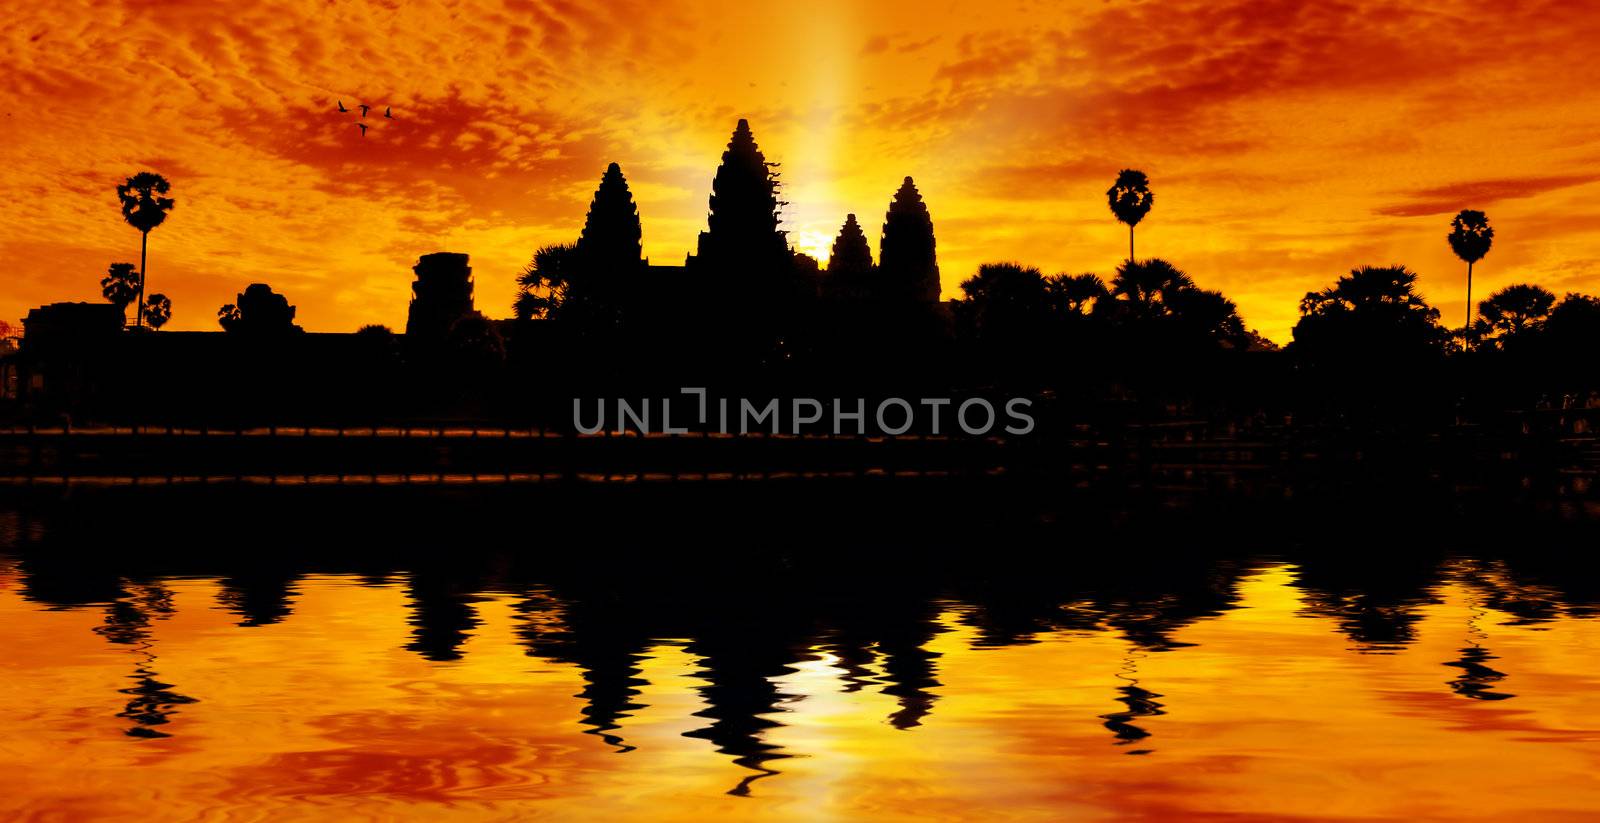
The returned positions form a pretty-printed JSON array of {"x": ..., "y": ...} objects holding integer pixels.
[
  {"x": 144, "y": 207},
  {"x": 380, "y": 352},
  {"x": 850, "y": 263},
  {"x": 1367, "y": 288},
  {"x": 1004, "y": 300},
  {"x": 1470, "y": 238},
  {"x": 1512, "y": 312},
  {"x": 120, "y": 285},
  {"x": 1143, "y": 289},
  {"x": 157, "y": 311},
  {"x": 1370, "y": 317},
  {"x": 1572, "y": 331},
  {"x": 1208, "y": 314},
  {"x": 1130, "y": 198},
  {"x": 258, "y": 311},
  {"x": 1075, "y": 293},
  {"x": 545, "y": 282},
  {"x": 1163, "y": 310},
  {"x": 908, "y": 266}
]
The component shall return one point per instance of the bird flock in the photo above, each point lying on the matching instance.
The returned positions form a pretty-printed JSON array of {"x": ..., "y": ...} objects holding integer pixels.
[{"x": 362, "y": 124}]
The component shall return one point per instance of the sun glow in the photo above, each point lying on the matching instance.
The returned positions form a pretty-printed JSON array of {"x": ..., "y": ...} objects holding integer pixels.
[
  {"x": 811, "y": 155},
  {"x": 814, "y": 243}
]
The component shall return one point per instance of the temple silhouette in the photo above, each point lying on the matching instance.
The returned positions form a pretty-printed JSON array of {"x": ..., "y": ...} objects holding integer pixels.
[
  {"x": 1145, "y": 358},
  {"x": 756, "y": 305}
]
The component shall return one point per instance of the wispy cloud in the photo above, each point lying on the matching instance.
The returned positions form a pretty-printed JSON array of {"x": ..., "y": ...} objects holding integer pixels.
[{"x": 1453, "y": 197}]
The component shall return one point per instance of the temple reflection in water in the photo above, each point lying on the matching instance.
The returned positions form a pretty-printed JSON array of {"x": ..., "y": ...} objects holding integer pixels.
[{"x": 433, "y": 667}]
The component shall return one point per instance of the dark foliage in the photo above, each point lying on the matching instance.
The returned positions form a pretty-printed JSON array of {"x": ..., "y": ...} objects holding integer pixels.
[
  {"x": 144, "y": 201},
  {"x": 1511, "y": 314},
  {"x": 1470, "y": 235},
  {"x": 144, "y": 207},
  {"x": 121, "y": 284},
  {"x": 1130, "y": 199},
  {"x": 545, "y": 283},
  {"x": 157, "y": 310}
]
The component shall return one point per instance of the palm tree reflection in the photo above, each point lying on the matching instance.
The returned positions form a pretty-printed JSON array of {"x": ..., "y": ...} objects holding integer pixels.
[
  {"x": 1140, "y": 703},
  {"x": 127, "y": 622},
  {"x": 1477, "y": 679}
]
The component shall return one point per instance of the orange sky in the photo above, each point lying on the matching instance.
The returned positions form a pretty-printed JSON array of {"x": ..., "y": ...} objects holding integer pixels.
[{"x": 1286, "y": 141}]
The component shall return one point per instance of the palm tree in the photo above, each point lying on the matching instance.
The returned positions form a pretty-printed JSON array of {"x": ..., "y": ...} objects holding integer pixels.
[
  {"x": 1146, "y": 287},
  {"x": 1372, "y": 320},
  {"x": 1075, "y": 293},
  {"x": 1470, "y": 239},
  {"x": 228, "y": 316},
  {"x": 157, "y": 311},
  {"x": 1207, "y": 314},
  {"x": 120, "y": 285},
  {"x": 545, "y": 282},
  {"x": 144, "y": 208},
  {"x": 1131, "y": 199},
  {"x": 1004, "y": 300},
  {"x": 1367, "y": 287},
  {"x": 1513, "y": 310}
]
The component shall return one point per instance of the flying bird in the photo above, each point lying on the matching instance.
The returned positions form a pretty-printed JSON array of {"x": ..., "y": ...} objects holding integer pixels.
[
  {"x": 386, "y": 113},
  {"x": 363, "y": 128},
  {"x": 342, "y": 109},
  {"x": 364, "y": 108}
]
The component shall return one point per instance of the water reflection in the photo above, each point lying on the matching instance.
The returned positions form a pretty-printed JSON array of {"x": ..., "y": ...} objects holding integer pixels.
[
  {"x": 442, "y": 615},
  {"x": 745, "y": 647},
  {"x": 261, "y": 597},
  {"x": 152, "y": 703},
  {"x": 606, "y": 640},
  {"x": 1477, "y": 679},
  {"x": 1376, "y": 602},
  {"x": 531, "y": 673},
  {"x": 1140, "y": 702},
  {"x": 740, "y": 669}
]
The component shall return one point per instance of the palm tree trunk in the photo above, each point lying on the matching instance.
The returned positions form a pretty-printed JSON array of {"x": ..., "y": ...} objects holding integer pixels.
[
  {"x": 1469, "y": 294},
  {"x": 144, "y": 245},
  {"x": 1130, "y": 244}
]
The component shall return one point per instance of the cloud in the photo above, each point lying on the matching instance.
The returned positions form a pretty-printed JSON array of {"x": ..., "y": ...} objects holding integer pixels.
[
  {"x": 899, "y": 42},
  {"x": 1046, "y": 180},
  {"x": 1453, "y": 197}
]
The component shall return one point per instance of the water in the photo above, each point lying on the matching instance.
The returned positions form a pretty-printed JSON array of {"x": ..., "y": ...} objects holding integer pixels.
[{"x": 1231, "y": 679}]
